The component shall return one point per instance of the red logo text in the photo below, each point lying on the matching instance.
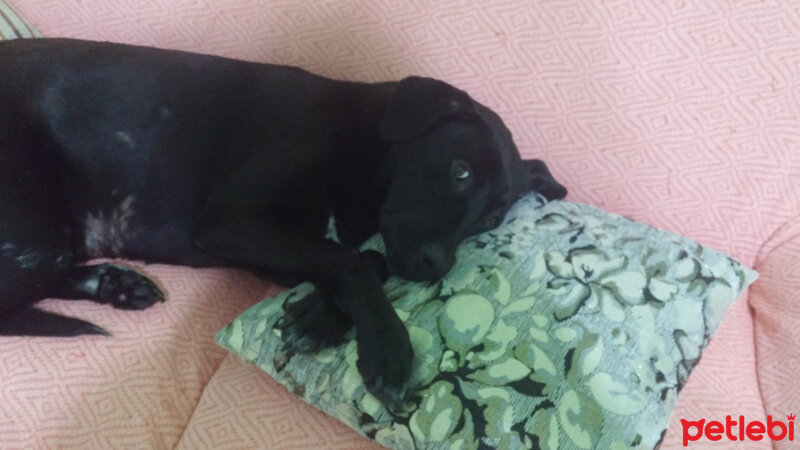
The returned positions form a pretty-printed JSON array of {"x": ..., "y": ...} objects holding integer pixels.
[{"x": 738, "y": 430}]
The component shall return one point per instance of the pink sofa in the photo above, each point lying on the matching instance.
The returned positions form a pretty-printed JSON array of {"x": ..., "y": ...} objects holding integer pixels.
[{"x": 677, "y": 114}]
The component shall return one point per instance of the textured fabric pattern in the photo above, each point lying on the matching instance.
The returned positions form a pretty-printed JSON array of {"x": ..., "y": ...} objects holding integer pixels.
[
  {"x": 679, "y": 114},
  {"x": 566, "y": 327},
  {"x": 12, "y": 25},
  {"x": 243, "y": 408}
]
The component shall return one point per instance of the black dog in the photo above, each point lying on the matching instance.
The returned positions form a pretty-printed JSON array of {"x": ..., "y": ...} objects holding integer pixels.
[{"x": 118, "y": 151}]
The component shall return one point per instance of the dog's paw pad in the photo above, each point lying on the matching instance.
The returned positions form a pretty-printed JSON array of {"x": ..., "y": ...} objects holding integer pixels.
[
  {"x": 312, "y": 324},
  {"x": 392, "y": 397},
  {"x": 385, "y": 373},
  {"x": 127, "y": 289}
]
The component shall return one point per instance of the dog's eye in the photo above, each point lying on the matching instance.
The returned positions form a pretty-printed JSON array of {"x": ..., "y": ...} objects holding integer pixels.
[
  {"x": 490, "y": 221},
  {"x": 461, "y": 170}
]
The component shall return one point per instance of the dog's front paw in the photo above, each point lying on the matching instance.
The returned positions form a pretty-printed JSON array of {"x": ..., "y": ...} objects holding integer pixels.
[
  {"x": 312, "y": 324},
  {"x": 125, "y": 288},
  {"x": 385, "y": 357}
]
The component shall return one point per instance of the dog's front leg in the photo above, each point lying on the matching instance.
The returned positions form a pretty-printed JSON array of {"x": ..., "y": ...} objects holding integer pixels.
[{"x": 384, "y": 348}]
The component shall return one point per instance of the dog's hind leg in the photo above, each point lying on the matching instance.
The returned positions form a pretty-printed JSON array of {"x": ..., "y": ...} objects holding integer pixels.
[
  {"x": 119, "y": 286},
  {"x": 28, "y": 274},
  {"x": 29, "y": 321},
  {"x": 32, "y": 269},
  {"x": 36, "y": 252}
]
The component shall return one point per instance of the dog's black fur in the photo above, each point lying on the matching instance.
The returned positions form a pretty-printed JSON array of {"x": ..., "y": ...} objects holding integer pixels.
[{"x": 117, "y": 151}]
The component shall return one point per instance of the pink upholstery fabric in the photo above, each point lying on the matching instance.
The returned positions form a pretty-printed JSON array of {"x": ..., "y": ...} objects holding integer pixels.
[
  {"x": 776, "y": 308},
  {"x": 245, "y": 408},
  {"x": 681, "y": 114}
]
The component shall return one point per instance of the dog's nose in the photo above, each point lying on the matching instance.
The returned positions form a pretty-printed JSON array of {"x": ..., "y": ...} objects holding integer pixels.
[{"x": 434, "y": 260}]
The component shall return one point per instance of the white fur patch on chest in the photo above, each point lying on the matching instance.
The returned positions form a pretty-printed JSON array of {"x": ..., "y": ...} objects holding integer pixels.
[
  {"x": 331, "y": 233},
  {"x": 106, "y": 232}
]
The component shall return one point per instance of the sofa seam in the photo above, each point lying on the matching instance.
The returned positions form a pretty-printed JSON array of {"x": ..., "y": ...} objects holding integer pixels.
[
  {"x": 199, "y": 398},
  {"x": 758, "y": 261}
]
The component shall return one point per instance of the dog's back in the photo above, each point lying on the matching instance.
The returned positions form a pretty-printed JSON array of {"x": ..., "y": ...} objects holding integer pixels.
[
  {"x": 138, "y": 132},
  {"x": 107, "y": 150}
]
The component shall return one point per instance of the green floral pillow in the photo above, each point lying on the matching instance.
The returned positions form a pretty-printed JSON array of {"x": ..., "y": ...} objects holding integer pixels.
[
  {"x": 12, "y": 25},
  {"x": 566, "y": 327}
]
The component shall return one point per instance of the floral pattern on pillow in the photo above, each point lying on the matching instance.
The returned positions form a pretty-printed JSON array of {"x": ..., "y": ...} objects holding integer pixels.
[
  {"x": 13, "y": 25},
  {"x": 566, "y": 327}
]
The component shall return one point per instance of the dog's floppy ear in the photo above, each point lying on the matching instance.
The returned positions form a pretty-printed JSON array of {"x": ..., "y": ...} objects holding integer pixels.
[
  {"x": 417, "y": 104},
  {"x": 542, "y": 181}
]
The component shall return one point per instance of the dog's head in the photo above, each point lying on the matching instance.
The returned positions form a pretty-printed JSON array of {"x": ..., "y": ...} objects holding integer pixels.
[{"x": 454, "y": 172}]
